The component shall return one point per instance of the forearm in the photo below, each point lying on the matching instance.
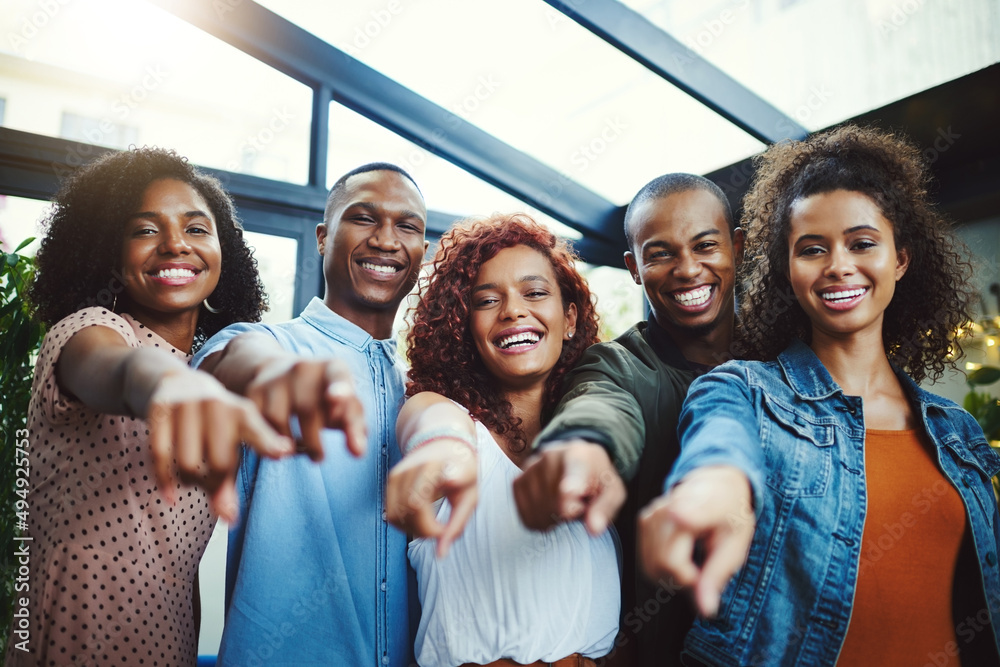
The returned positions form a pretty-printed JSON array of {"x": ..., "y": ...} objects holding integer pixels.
[
  {"x": 241, "y": 361},
  {"x": 430, "y": 414}
]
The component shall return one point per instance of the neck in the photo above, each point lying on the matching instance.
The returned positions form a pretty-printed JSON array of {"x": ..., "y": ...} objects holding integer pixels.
[
  {"x": 175, "y": 328},
  {"x": 710, "y": 348},
  {"x": 857, "y": 363},
  {"x": 526, "y": 404},
  {"x": 377, "y": 322}
]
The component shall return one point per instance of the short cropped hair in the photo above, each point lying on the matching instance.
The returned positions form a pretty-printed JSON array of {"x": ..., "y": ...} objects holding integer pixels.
[{"x": 668, "y": 184}]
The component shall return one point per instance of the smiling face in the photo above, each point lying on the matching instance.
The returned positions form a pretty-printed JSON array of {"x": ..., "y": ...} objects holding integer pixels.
[
  {"x": 685, "y": 256},
  {"x": 843, "y": 263},
  {"x": 372, "y": 247},
  {"x": 171, "y": 257},
  {"x": 517, "y": 317}
]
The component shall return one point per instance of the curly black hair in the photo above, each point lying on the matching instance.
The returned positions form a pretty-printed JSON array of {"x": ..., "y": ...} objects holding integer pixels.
[
  {"x": 79, "y": 261},
  {"x": 442, "y": 354},
  {"x": 931, "y": 301}
]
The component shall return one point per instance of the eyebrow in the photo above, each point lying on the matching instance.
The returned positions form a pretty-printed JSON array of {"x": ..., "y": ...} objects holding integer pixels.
[
  {"x": 523, "y": 279},
  {"x": 152, "y": 215},
  {"x": 696, "y": 237},
  {"x": 851, "y": 230}
]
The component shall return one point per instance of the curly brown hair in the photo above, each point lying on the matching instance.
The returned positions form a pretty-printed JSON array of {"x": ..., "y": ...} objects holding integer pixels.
[
  {"x": 79, "y": 261},
  {"x": 441, "y": 351},
  {"x": 932, "y": 300}
]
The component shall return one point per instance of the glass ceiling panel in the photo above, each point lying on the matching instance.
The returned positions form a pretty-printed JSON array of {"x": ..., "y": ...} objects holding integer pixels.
[
  {"x": 824, "y": 61},
  {"x": 356, "y": 140},
  {"x": 535, "y": 79},
  {"x": 119, "y": 72}
]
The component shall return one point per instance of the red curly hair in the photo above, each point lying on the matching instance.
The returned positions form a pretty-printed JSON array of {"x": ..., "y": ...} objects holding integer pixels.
[{"x": 443, "y": 357}]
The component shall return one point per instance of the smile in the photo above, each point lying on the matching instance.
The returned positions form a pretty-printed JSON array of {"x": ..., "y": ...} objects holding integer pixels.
[
  {"x": 519, "y": 340},
  {"x": 843, "y": 296},
  {"x": 693, "y": 298},
  {"x": 380, "y": 268},
  {"x": 175, "y": 273}
]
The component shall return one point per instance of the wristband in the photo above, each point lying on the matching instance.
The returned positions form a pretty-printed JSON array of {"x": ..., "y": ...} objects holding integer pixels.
[{"x": 452, "y": 433}]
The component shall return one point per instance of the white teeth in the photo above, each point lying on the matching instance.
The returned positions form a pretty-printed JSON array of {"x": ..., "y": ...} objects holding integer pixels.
[
  {"x": 175, "y": 273},
  {"x": 527, "y": 337},
  {"x": 844, "y": 295},
  {"x": 695, "y": 297},
  {"x": 379, "y": 268}
]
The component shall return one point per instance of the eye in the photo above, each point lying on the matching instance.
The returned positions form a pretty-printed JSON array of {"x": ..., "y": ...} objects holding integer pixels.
[
  {"x": 706, "y": 246},
  {"x": 812, "y": 250},
  {"x": 537, "y": 294},
  {"x": 143, "y": 231},
  {"x": 863, "y": 244},
  {"x": 485, "y": 301},
  {"x": 412, "y": 227},
  {"x": 659, "y": 254}
]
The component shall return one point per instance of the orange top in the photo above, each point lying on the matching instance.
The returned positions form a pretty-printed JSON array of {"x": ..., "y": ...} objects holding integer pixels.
[{"x": 902, "y": 613}]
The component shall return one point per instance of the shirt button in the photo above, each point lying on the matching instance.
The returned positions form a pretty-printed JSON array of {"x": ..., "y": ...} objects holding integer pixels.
[
  {"x": 383, "y": 585},
  {"x": 385, "y": 660},
  {"x": 383, "y": 515},
  {"x": 991, "y": 559},
  {"x": 384, "y": 450}
]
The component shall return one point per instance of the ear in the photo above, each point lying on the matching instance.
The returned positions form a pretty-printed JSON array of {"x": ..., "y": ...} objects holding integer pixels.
[
  {"x": 427, "y": 244},
  {"x": 902, "y": 262},
  {"x": 571, "y": 316},
  {"x": 738, "y": 239},
  {"x": 632, "y": 267},
  {"x": 321, "y": 236}
]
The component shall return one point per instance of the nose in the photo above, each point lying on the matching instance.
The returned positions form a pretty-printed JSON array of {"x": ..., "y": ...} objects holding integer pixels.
[
  {"x": 687, "y": 266},
  {"x": 384, "y": 238},
  {"x": 174, "y": 242},
  {"x": 513, "y": 308},
  {"x": 839, "y": 264}
]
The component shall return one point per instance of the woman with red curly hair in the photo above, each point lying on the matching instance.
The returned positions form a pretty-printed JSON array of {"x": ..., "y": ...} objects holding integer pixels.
[{"x": 502, "y": 317}]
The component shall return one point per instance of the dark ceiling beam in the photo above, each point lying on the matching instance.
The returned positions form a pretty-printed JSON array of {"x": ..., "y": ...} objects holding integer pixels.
[
  {"x": 635, "y": 36},
  {"x": 287, "y": 47}
]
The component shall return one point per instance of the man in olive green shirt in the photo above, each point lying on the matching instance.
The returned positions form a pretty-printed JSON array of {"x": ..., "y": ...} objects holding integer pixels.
[{"x": 618, "y": 418}]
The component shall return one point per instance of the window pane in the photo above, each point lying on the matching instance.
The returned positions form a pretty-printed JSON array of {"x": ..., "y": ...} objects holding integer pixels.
[
  {"x": 355, "y": 140},
  {"x": 276, "y": 261},
  {"x": 121, "y": 72},
  {"x": 537, "y": 80},
  {"x": 19, "y": 218},
  {"x": 823, "y": 61}
]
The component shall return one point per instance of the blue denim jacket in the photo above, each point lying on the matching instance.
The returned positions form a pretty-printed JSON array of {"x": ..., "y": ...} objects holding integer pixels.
[{"x": 800, "y": 441}]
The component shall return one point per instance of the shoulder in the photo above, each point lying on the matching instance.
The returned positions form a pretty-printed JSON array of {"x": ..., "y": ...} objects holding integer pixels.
[{"x": 64, "y": 329}]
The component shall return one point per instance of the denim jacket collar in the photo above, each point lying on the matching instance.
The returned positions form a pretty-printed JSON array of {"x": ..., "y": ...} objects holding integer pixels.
[{"x": 810, "y": 380}]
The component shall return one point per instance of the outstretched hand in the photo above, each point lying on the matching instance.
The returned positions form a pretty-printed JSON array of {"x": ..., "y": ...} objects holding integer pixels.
[
  {"x": 199, "y": 425},
  {"x": 443, "y": 468},
  {"x": 567, "y": 481},
  {"x": 711, "y": 506},
  {"x": 319, "y": 393}
]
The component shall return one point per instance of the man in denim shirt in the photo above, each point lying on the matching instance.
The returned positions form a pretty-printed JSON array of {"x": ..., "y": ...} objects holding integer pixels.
[{"x": 315, "y": 575}]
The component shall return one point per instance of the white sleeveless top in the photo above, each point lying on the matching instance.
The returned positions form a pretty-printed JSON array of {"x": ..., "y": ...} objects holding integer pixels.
[{"x": 504, "y": 591}]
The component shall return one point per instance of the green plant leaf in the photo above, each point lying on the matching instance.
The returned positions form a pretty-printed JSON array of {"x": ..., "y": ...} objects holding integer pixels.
[
  {"x": 24, "y": 243},
  {"x": 11, "y": 260},
  {"x": 984, "y": 375}
]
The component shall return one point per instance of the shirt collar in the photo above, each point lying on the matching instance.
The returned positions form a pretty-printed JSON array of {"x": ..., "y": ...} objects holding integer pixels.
[
  {"x": 666, "y": 349},
  {"x": 321, "y": 317}
]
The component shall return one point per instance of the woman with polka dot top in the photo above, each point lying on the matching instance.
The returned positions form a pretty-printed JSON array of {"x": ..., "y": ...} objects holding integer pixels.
[{"x": 142, "y": 260}]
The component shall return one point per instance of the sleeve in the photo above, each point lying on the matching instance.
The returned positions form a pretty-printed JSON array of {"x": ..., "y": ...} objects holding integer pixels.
[
  {"x": 222, "y": 338},
  {"x": 600, "y": 405},
  {"x": 718, "y": 426},
  {"x": 55, "y": 406}
]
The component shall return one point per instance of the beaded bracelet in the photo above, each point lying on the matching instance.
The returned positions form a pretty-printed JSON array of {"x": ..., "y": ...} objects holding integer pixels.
[{"x": 452, "y": 433}]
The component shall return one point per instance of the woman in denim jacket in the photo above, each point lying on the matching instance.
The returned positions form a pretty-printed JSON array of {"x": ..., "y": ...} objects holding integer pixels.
[{"x": 855, "y": 508}]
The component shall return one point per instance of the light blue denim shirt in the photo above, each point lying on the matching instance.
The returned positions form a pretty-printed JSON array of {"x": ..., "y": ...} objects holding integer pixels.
[
  {"x": 800, "y": 441},
  {"x": 315, "y": 576}
]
